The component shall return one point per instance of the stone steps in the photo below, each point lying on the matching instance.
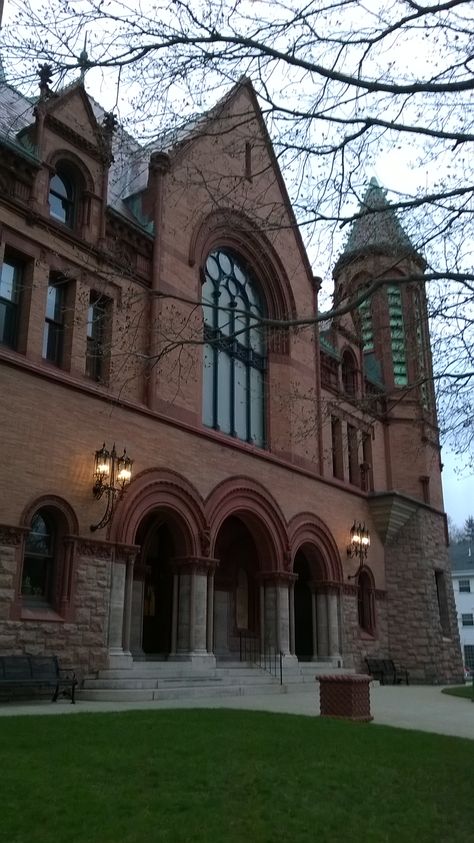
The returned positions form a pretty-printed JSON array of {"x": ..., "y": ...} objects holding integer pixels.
[{"x": 148, "y": 681}]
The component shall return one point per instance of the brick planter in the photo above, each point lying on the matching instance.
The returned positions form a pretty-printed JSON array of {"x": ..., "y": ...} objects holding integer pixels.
[{"x": 345, "y": 697}]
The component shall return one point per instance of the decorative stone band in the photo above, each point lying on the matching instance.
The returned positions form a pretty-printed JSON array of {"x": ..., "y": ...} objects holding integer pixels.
[
  {"x": 277, "y": 577},
  {"x": 126, "y": 553},
  {"x": 10, "y": 536},
  {"x": 92, "y": 548},
  {"x": 351, "y": 589},
  {"x": 194, "y": 564}
]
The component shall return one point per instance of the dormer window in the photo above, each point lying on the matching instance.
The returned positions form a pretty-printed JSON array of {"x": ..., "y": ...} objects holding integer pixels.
[
  {"x": 64, "y": 195},
  {"x": 61, "y": 199}
]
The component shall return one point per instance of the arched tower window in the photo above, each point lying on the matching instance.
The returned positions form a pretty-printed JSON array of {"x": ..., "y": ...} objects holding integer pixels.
[
  {"x": 397, "y": 332},
  {"x": 234, "y": 353},
  {"x": 367, "y": 331}
]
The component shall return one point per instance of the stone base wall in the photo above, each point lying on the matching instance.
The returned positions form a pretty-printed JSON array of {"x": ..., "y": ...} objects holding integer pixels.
[
  {"x": 356, "y": 644},
  {"x": 416, "y": 638},
  {"x": 80, "y": 644}
]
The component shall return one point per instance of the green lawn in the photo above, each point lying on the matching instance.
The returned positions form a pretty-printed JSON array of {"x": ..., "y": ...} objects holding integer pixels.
[
  {"x": 460, "y": 691},
  {"x": 211, "y": 776}
]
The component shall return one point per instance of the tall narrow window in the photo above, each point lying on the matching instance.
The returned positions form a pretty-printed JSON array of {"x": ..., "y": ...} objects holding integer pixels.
[
  {"x": 397, "y": 332},
  {"x": 365, "y": 603},
  {"x": 96, "y": 334},
  {"x": 367, "y": 472},
  {"x": 353, "y": 455},
  {"x": 10, "y": 287},
  {"x": 62, "y": 197},
  {"x": 53, "y": 336},
  {"x": 336, "y": 445},
  {"x": 442, "y": 602},
  {"x": 349, "y": 373},
  {"x": 365, "y": 311},
  {"x": 38, "y": 562},
  {"x": 234, "y": 354}
]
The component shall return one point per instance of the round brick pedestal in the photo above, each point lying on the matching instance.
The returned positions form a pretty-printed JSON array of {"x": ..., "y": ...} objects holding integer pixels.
[{"x": 346, "y": 697}]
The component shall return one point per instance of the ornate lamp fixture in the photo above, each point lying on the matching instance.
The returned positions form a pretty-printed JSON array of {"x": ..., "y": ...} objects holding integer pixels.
[
  {"x": 359, "y": 546},
  {"x": 112, "y": 474}
]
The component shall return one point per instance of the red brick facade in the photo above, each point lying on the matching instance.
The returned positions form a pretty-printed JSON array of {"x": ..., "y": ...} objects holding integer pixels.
[{"x": 216, "y": 537}]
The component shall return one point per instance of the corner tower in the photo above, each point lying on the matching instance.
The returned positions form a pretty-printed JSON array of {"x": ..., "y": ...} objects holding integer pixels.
[{"x": 393, "y": 326}]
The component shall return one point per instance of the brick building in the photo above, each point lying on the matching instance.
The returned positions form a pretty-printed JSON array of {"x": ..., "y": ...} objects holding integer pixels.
[{"x": 256, "y": 446}]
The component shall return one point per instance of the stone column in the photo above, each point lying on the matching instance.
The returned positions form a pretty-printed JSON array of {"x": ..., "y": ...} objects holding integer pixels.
[
  {"x": 278, "y": 587},
  {"x": 292, "y": 617},
  {"x": 120, "y": 606},
  {"x": 192, "y": 614},
  {"x": 210, "y": 613},
  {"x": 314, "y": 619},
  {"x": 322, "y": 624},
  {"x": 333, "y": 624},
  {"x": 127, "y": 619},
  {"x": 174, "y": 615}
]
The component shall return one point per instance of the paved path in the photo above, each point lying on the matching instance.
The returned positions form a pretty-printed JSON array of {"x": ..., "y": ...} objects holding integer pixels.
[{"x": 414, "y": 707}]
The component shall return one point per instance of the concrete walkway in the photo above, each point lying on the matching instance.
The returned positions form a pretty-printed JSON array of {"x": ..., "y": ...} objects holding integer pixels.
[{"x": 415, "y": 707}]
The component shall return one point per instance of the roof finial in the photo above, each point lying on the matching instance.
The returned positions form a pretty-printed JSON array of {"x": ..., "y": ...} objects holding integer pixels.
[{"x": 83, "y": 60}]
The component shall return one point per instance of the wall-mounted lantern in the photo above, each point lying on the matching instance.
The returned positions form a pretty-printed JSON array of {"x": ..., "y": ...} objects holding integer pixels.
[
  {"x": 358, "y": 546},
  {"x": 112, "y": 474}
]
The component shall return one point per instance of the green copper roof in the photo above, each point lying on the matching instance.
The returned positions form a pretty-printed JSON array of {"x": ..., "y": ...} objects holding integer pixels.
[{"x": 376, "y": 230}]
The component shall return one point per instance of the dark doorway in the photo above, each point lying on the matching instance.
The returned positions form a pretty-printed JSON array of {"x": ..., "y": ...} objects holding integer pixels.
[
  {"x": 303, "y": 609},
  {"x": 157, "y": 551},
  {"x": 236, "y": 627}
]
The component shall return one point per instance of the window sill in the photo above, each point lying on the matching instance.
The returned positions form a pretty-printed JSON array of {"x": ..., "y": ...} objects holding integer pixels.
[
  {"x": 36, "y": 613},
  {"x": 367, "y": 636}
]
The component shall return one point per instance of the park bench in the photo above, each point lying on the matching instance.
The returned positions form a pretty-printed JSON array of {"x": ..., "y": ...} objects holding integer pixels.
[
  {"x": 36, "y": 672},
  {"x": 387, "y": 672}
]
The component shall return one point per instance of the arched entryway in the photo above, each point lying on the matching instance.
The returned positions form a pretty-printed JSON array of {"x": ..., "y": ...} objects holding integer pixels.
[
  {"x": 236, "y": 590},
  {"x": 303, "y": 609},
  {"x": 153, "y": 584},
  {"x": 315, "y": 620},
  {"x": 308, "y": 590}
]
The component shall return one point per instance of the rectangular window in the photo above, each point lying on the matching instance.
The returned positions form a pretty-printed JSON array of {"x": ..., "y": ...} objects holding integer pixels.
[
  {"x": 367, "y": 473},
  {"x": 469, "y": 656},
  {"x": 442, "y": 602},
  {"x": 336, "y": 444},
  {"x": 53, "y": 336},
  {"x": 465, "y": 586},
  {"x": 467, "y": 620},
  {"x": 353, "y": 455},
  {"x": 10, "y": 287},
  {"x": 96, "y": 336}
]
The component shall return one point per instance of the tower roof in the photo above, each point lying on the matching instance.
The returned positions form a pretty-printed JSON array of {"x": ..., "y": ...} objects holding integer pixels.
[{"x": 376, "y": 230}]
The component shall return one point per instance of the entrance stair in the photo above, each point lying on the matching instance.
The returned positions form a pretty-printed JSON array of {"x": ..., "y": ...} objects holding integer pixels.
[{"x": 161, "y": 680}]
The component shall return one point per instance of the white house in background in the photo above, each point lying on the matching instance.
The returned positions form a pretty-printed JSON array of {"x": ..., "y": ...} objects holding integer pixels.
[{"x": 462, "y": 560}]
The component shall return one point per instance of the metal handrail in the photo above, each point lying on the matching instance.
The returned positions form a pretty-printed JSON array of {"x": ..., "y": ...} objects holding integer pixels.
[{"x": 269, "y": 660}]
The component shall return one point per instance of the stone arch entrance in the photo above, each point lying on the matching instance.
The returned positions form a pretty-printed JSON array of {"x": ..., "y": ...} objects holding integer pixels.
[
  {"x": 152, "y": 609},
  {"x": 310, "y": 605},
  {"x": 315, "y": 599},
  {"x": 162, "y": 603},
  {"x": 248, "y": 537},
  {"x": 236, "y": 589}
]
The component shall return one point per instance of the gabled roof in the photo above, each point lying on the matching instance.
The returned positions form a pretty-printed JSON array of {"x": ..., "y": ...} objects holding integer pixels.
[
  {"x": 376, "y": 230},
  {"x": 461, "y": 555}
]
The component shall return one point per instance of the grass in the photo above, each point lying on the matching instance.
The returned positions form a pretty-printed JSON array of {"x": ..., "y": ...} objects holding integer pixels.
[
  {"x": 210, "y": 776},
  {"x": 465, "y": 691}
]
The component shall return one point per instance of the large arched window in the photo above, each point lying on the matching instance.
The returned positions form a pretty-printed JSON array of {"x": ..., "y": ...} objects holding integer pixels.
[{"x": 234, "y": 354}]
